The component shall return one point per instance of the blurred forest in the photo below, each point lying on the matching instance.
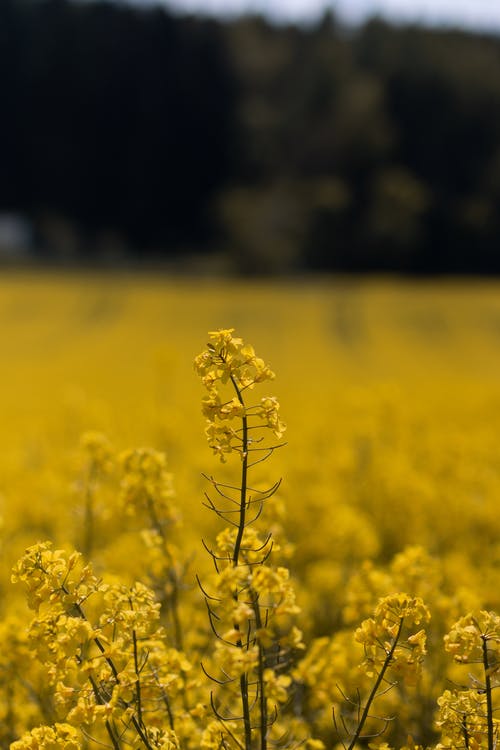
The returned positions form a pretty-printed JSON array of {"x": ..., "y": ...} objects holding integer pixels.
[{"x": 136, "y": 134}]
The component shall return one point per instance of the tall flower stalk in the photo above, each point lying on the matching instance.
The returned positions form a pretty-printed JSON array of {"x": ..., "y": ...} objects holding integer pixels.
[{"x": 250, "y": 601}]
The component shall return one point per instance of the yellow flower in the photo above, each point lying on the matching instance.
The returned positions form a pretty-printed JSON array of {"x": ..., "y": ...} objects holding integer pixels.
[
  {"x": 54, "y": 576},
  {"x": 146, "y": 485},
  {"x": 466, "y": 637},
  {"x": 276, "y": 686},
  {"x": 227, "y": 361},
  {"x": 381, "y": 637},
  {"x": 57, "y": 737}
]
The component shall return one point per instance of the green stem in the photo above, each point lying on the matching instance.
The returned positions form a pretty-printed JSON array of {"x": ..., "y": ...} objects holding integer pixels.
[
  {"x": 138, "y": 679},
  {"x": 244, "y": 478},
  {"x": 111, "y": 735},
  {"x": 465, "y": 731},
  {"x": 166, "y": 703},
  {"x": 247, "y": 724},
  {"x": 236, "y": 558},
  {"x": 488, "y": 691},
  {"x": 260, "y": 677},
  {"x": 375, "y": 688}
]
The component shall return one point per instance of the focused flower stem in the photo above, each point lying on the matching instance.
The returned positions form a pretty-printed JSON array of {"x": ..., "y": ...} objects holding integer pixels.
[
  {"x": 236, "y": 558},
  {"x": 258, "y": 592},
  {"x": 244, "y": 478}
]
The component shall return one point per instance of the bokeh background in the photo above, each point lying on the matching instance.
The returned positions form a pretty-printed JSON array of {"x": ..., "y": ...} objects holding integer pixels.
[{"x": 253, "y": 143}]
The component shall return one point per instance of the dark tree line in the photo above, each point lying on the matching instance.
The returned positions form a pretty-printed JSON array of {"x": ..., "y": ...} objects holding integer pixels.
[
  {"x": 115, "y": 119},
  {"x": 284, "y": 147}
]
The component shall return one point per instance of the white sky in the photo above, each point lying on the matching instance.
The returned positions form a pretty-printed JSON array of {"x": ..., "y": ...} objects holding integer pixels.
[{"x": 478, "y": 14}]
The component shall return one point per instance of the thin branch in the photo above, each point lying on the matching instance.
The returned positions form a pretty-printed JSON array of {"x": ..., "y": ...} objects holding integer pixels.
[
  {"x": 203, "y": 591},
  {"x": 214, "y": 679}
]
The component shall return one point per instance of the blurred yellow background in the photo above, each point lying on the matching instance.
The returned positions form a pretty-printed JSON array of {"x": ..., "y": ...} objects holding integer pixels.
[{"x": 390, "y": 391}]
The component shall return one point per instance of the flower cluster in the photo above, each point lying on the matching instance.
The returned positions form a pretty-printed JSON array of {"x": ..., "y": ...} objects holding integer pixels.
[
  {"x": 111, "y": 668},
  {"x": 99, "y": 452},
  {"x": 467, "y": 718},
  {"x": 470, "y": 635},
  {"x": 461, "y": 719},
  {"x": 227, "y": 361},
  {"x": 146, "y": 485},
  {"x": 57, "y": 737},
  {"x": 381, "y": 637},
  {"x": 228, "y": 358},
  {"x": 147, "y": 494},
  {"x": 54, "y": 577}
]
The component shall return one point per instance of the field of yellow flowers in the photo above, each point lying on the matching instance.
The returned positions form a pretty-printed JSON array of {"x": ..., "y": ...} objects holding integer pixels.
[{"x": 156, "y": 596}]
